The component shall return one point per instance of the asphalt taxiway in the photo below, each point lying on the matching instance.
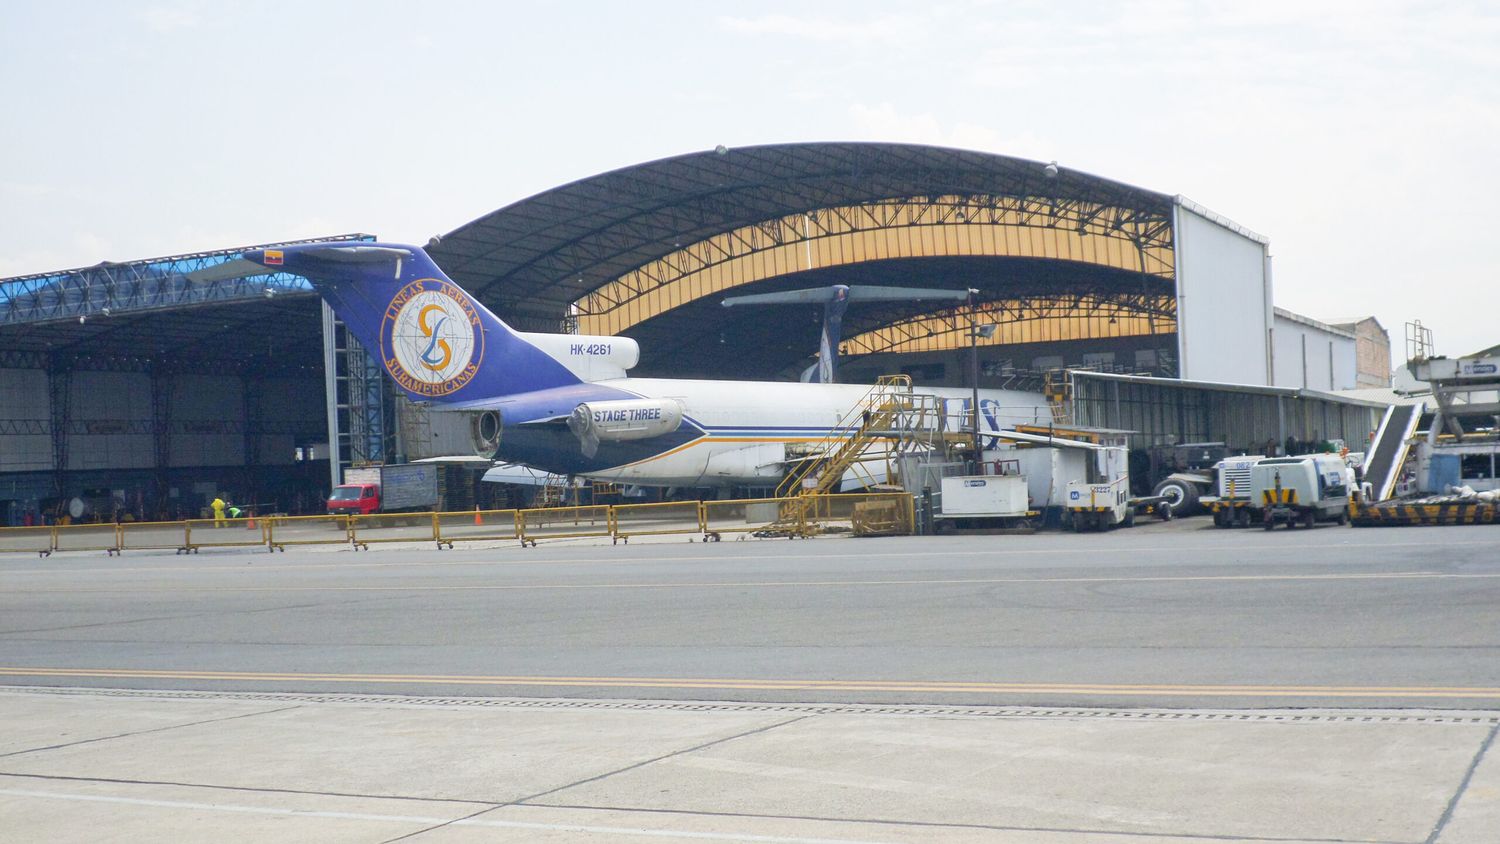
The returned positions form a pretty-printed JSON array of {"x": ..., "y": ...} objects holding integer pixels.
[{"x": 1171, "y": 682}]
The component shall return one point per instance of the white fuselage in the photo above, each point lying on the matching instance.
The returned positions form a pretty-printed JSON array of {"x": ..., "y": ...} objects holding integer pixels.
[{"x": 750, "y": 429}]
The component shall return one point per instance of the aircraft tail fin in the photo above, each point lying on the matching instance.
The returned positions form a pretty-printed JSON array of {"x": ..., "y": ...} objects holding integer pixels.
[{"x": 438, "y": 343}]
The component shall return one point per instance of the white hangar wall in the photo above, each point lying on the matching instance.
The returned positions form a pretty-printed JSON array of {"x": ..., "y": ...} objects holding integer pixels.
[
  {"x": 1223, "y": 298},
  {"x": 1311, "y": 355}
]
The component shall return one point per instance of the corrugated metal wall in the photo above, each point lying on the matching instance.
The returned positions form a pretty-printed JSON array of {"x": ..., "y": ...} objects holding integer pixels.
[
  {"x": 1168, "y": 414},
  {"x": 111, "y": 420},
  {"x": 111, "y": 414},
  {"x": 208, "y": 416},
  {"x": 25, "y": 413},
  {"x": 286, "y": 404}
]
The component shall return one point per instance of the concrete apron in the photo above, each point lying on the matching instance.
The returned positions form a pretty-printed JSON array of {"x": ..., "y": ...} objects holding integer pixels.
[{"x": 250, "y": 766}]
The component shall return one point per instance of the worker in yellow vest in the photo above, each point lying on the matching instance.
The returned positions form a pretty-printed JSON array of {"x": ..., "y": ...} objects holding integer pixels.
[{"x": 218, "y": 506}]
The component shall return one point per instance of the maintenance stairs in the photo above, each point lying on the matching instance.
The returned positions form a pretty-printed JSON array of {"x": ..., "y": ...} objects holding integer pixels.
[
  {"x": 888, "y": 423},
  {"x": 1058, "y": 389},
  {"x": 554, "y": 492}
]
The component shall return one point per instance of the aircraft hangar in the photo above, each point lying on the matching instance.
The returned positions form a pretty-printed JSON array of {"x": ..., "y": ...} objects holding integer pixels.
[{"x": 139, "y": 385}]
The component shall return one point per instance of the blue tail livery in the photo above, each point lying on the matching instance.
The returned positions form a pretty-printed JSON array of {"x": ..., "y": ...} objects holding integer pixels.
[{"x": 437, "y": 342}]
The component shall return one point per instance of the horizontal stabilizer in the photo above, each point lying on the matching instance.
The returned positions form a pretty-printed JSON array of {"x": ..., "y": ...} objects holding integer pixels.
[
  {"x": 856, "y": 293},
  {"x": 814, "y": 296},
  {"x": 357, "y": 254},
  {"x": 236, "y": 268},
  {"x": 876, "y": 293}
]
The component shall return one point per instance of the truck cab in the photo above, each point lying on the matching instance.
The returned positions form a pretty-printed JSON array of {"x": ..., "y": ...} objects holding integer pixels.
[{"x": 354, "y": 500}]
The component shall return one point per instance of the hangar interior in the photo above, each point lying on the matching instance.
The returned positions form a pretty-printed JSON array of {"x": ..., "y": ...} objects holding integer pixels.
[
  {"x": 139, "y": 390},
  {"x": 137, "y": 382}
]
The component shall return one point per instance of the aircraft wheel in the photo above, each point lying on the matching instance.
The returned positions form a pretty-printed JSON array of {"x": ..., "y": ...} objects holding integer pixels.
[{"x": 1182, "y": 495}]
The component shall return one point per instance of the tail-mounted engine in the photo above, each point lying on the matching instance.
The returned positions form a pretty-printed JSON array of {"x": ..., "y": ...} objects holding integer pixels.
[{"x": 614, "y": 421}]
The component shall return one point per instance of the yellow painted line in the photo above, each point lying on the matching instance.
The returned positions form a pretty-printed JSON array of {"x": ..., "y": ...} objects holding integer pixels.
[
  {"x": 770, "y": 584},
  {"x": 686, "y": 683}
]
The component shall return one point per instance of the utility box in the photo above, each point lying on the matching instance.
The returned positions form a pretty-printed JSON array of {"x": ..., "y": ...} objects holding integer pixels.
[{"x": 984, "y": 496}]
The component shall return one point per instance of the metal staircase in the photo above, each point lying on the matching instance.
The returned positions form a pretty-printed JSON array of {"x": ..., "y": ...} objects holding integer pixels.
[
  {"x": 1058, "y": 388},
  {"x": 554, "y": 492},
  {"x": 846, "y": 443},
  {"x": 886, "y": 425}
]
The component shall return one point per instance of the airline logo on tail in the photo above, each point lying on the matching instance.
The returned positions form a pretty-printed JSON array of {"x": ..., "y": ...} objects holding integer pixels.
[{"x": 432, "y": 339}]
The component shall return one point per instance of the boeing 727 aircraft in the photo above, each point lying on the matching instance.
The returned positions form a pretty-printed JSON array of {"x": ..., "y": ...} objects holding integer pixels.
[{"x": 562, "y": 402}]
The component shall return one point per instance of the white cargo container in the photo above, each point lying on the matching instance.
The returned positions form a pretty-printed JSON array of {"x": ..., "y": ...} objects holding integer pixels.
[{"x": 984, "y": 497}]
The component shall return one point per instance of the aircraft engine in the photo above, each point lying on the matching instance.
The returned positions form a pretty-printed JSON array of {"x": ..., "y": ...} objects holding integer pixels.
[
  {"x": 484, "y": 431},
  {"x": 631, "y": 419}
]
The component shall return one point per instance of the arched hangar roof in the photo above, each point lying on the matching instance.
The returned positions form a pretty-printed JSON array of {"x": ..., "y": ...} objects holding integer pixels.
[
  {"x": 533, "y": 259},
  {"x": 649, "y": 251}
]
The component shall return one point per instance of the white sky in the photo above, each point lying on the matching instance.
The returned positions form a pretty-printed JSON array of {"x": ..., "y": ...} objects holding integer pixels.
[{"x": 1361, "y": 137}]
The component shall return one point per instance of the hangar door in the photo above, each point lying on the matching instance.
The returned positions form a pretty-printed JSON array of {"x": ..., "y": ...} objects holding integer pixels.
[{"x": 1223, "y": 298}]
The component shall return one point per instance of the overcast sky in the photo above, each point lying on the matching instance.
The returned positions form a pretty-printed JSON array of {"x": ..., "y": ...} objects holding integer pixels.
[{"x": 1360, "y": 137}]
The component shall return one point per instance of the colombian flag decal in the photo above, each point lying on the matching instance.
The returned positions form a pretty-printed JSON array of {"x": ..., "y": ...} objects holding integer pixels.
[{"x": 273, "y": 257}]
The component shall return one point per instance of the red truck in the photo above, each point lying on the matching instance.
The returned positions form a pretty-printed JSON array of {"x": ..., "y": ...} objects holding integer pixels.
[{"x": 386, "y": 489}]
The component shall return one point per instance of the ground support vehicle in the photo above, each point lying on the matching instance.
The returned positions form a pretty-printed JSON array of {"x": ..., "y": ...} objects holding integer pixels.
[
  {"x": 986, "y": 501},
  {"x": 1184, "y": 473},
  {"x": 1301, "y": 490},
  {"x": 386, "y": 489},
  {"x": 1099, "y": 506},
  {"x": 1103, "y": 500},
  {"x": 1231, "y": 505}
]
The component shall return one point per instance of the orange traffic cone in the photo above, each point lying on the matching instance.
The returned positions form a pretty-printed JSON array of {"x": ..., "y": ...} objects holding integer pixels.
[
  {"x": 478, "y": 520},
  {"x": 250, "y": 522}
]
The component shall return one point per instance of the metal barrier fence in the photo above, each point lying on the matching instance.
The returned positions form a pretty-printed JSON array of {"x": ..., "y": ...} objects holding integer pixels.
[
  {"x": 391, "y": 527},
  {"x": 866, "y": 514},
  {"x": 751, "y": 515},
  {"x": 153, "y": 536},
  {"x": 475, "y": 526},
  {"x": 282, "y": 531},
  {"x": 86, "y": 538},
  {"x": 563, "y": 523},
  {"x": 225, "y": 533},
  {"x": 664, "y": 519},
  {"x": 31, "y": 540}
]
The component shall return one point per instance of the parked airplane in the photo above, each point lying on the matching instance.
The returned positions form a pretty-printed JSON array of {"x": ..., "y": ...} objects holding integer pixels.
[{"x": 562, "y": 402}]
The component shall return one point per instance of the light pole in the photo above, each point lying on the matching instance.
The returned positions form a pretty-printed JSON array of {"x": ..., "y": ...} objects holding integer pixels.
[{"x": 975, "y": 332}]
